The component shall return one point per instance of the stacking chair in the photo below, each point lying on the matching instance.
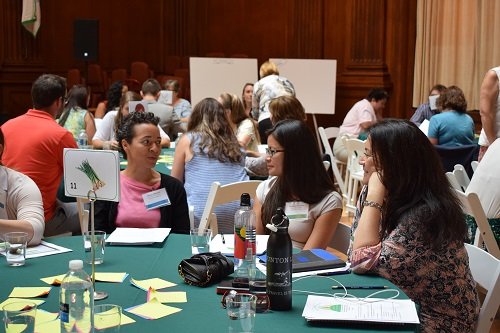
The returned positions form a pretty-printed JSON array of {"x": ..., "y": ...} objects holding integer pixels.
[
  {"x": 474, "y": 165},
  {"x": 341, "y": 239},
  {"x": 140, "y": 71},
  {"x": 331, "y": 133},
  {"x": 73, "y": 77},
  {"x": 458, "y": 178},
  {"x": 472, "y": 206},
  {"x": 221, "y": 194},
  {"x": 354, "y": 171},
  {"x": 485, "y": 270}
]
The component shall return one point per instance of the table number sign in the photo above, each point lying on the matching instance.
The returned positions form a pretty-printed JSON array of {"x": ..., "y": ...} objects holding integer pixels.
[{"x": 92, "y": 170}]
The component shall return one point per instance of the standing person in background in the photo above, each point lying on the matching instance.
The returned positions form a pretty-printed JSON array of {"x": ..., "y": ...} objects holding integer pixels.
[
  {"x": 453, "y": 126},
  {"x": 246, "y": 97},
  {"x": 489, "y": 108},
  {"x": 75, "y": 116},
  {"x": 426, "y": 110},
  {"x": 115, "y": 93},
  {"x": 270, "y": 85},
  {"x": 245, "y": 128},
  {"x": 362, "y": 115},
  {"x": 209, "y": 152},
  {"x": 181, "y": 106},
  {"x": 36, "y": 150},
  {"x": 21, "y": 206},
  {"x": 169, "y": 121}
]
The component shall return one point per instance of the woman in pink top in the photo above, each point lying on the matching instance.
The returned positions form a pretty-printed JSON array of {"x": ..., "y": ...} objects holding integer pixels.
[{"x": 140, "y": 142}]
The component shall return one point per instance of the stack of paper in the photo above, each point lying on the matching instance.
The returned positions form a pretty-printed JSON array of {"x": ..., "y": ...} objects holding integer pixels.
[
  {"x": 138, "y": 236},
  {"x": 374, "y": 310}
]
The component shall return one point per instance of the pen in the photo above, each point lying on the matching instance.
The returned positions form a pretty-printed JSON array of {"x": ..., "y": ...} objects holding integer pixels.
[
  {"x": 223, "y": 240},
  {"x": 360, "y": 287},
  {"x": 347, "y": 271}
]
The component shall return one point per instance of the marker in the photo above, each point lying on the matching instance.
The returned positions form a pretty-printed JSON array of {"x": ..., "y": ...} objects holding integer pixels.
[
  {"x": 223, "y": 240},
  {"x": 360, "y": 287}
]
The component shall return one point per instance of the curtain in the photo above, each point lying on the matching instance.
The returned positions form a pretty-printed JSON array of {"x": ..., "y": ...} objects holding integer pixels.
[{"x": 457, "y": 42}]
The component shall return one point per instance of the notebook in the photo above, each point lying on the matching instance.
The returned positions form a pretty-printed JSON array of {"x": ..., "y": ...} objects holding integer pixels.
[{"x": 312, "y": 260}]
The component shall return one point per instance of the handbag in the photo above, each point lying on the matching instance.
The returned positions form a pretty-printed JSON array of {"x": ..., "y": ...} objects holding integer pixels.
[{"x": 205, "y": 269}]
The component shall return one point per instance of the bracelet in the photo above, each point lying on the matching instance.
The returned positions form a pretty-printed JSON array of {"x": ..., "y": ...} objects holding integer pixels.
[{"x": 372, "y": 204}]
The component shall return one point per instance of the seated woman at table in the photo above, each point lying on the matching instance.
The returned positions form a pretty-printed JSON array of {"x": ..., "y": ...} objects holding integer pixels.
[
  {"x": 300, "y": 182},
  {"x": 75, "y": 116},
  {"x": 246, "y": 97},
  {"x": 115, "y": 93},
  {"x": 409, "y": 228},
  {"x": 21, "y": 207},
  {"x": 139, "y": 140},
  {"x": 453, "y": 126},
  {"x": 105, "y": 137},
  {"x": 281, "y": 108},
  {"x": 209, "y": 152},
  {"x": 245, "y": 128}
]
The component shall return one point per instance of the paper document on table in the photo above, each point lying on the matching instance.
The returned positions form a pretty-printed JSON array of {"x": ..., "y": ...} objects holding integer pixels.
[
  {"x": 137, "y": 236},
  {"x": 227, "y": 247},
  {"x": 376, "y": 310},
  {"x": 41, "y": 250}
]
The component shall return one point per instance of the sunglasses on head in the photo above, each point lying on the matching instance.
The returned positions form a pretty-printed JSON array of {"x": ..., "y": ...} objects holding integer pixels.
[{"x": 262, "y": 304}]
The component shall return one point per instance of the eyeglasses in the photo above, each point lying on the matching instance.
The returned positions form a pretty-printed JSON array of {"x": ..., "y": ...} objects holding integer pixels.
[
  {"x": 262, "y": 304},
  {"x": 271, "y": 152}
]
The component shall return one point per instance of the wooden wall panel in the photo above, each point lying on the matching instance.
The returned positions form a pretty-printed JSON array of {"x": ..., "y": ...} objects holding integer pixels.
[{"x": 372, "y": 40}]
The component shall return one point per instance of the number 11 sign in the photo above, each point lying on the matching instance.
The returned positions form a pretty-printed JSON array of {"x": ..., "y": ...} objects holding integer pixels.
[{"x": 97, "y": 171}]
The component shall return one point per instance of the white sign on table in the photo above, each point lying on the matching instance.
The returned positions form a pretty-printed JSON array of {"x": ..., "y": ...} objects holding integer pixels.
[{"x": 92, "y": 170}]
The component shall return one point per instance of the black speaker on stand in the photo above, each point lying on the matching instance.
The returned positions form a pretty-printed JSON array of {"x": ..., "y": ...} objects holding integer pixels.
[{"x": 86, "y": 42}]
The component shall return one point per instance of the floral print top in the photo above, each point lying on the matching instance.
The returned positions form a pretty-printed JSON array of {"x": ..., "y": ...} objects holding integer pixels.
[{"x": 439, "y": 281}]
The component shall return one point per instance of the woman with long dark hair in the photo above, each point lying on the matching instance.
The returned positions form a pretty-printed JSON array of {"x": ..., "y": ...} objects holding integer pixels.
[
  {"x": 298, "y": 183},
  {"x": 75, "y": 116},
  {"x": 409, "y": 227}
]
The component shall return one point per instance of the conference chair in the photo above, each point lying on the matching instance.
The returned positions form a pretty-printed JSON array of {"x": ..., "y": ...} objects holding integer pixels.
[
  {"x": 220, "y": 194},
  {"x": 354, "y": 171},
  {"x": 485, "y": 270},
  {"x": 464, "y": 155},
  {"x": 458, "y": 178},
  {"x": 341, "y": 238},
  {"x": 326, "y": 134},
  {"x": 118, "y": 74},
  {"x": 472, "y": 206},
  {"x": 73, "y": 77},
  {"x": 140, "y": 71},
  {"x": 474, "y": 165}
]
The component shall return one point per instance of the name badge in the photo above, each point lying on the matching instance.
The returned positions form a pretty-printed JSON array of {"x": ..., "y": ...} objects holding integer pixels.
[
  {"x": 297, "y": 210},
  {"x": 156, "y": 199}
]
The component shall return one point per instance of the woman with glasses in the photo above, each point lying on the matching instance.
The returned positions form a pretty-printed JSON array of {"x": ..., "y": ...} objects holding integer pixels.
[
  {"x": 209, "y": 152},
  {"x": 300, "y": 184},
  {"x": 140, "y": 142},
  {"x": 409, "y": 227}
]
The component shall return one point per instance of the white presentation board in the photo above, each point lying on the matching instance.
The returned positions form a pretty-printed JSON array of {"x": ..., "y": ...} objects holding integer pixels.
[
  {"x": 212, "y": 76},
  {"x": 315, "y": 82}
]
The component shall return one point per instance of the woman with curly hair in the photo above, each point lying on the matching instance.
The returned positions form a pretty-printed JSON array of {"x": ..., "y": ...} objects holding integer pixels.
[
  {"x": 209, "y": 152},
  {"x": 115, "y": 93}
]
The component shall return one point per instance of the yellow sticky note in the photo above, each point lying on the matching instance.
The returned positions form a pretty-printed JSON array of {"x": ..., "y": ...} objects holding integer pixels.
[
  {"x": 22, "y": 302},
  {"x": 47, "y": 322},
  {"x": 53, "y": 280},
  {"x": 155, "y": 283},
  {"x": 153, "y": 310},
  {"x": 102, "y": 322},
  {"x": 28, "y": 292},
  {"x": 110, "y": 277},
  {"x": 168, "y": 296},
  {"x": 126, "y": 320},
  {"x": 17, "y": 328}
]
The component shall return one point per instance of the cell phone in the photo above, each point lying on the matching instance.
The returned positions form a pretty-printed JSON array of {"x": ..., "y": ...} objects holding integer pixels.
[{"x": 240, "y": 282}]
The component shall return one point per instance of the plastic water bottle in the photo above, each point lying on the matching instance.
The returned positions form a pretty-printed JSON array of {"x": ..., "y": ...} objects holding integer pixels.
[
  {"x": 83, "y": 139},
  {"x": 244, "y": 237},
  {"x": 76, "y": 300},
  {"x": 279, "y": 263}
]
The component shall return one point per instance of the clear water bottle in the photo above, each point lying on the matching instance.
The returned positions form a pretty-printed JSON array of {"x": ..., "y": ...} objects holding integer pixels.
[
  {"x": 279, "y": 263},
  {"x": 76, "y": 300},
  {"x": 83, "y": 139},
  {"x": 244, "y": 237}
]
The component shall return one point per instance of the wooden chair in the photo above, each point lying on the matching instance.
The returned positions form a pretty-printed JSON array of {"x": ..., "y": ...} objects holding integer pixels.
[
  {"x": 96, "y": 84},
  {"x": 73, "y": 77},
  {"x": 140, "y": 71},
  {"x": 118, "y": 74},
  {"x": 485, "y": 270},
  {"x": 171, "y": 64},
  {"x": 326, "y": 134},
  {"x": 354, "y": 172},
  {"x": 220, "y": 194},
  {"x": 472, "y": 206}
]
